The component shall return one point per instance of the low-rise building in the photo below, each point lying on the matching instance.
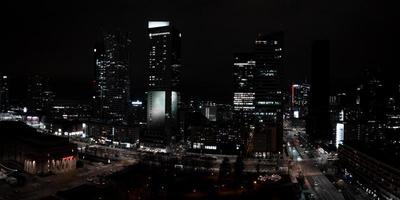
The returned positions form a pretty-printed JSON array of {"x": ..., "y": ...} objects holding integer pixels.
[{"x": 37, "y": 153}]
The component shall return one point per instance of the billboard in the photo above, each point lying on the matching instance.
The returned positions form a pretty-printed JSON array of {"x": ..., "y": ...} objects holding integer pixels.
[
  {"x": 296, "y": 114},
  {"x": 339, "y": 134}
]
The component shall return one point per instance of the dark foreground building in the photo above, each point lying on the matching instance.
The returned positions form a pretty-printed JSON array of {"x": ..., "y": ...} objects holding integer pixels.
[
  {"x": 3, "y": 93},
  {"x": 377, "y": 170},
  {"x": 318, "y": 124},
  {"x": 35, "y": 152}
]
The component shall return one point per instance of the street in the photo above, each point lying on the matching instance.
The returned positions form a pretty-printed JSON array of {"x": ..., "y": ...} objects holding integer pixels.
[{"x": 315, "y": 180}]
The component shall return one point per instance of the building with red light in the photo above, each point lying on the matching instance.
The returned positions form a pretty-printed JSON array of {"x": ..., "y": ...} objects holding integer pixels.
[{"x": 36, "y": 153}]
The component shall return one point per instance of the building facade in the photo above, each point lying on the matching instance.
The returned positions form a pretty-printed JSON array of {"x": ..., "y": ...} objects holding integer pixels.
[
  {"x": 299, "y": 100},
  {"x": 164, "y": 65},
  {"x": 268, "y": 94},
  {"x": 4, "y": 101},
  {"x": 38, "y": 153},
  {"x": 258, "y": 97},
  {"x": 112, "y": 84},
  {"x": 243, "y": 78},
  {"x": 381, "y": 180},
  {"x": 318, "y": 123},
  {"x": 40, "y": 95}
]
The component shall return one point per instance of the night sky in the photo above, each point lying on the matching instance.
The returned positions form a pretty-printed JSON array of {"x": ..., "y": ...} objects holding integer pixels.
[{"x": 56, "y": 39}]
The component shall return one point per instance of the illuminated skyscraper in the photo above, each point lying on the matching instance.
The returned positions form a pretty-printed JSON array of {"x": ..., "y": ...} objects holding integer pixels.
[
  {"x": 299, "y": 99},
  {"x": 243, "y": 77},
  {"x": 258, "y": 93},
  {"x": 3, "y": 94},
  {"x": 112, "y": 57},
  {"x": 268, "y": 93},
  {"x": 163, "y": 90}
]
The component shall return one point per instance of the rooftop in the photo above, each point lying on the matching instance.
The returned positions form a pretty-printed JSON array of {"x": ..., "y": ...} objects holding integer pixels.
[
  {"x": 22, "y": 132},
  {"x": 389, "y": 154}
]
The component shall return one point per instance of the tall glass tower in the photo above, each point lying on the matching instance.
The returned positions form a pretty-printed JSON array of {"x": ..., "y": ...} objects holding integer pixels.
[
  {"x": 268, "y": 93},
  {"x": 3, "y": 94},
  {"x": 112, "y": 57},
  {"x": 164, "y": 66},
  {"x": 243, "y": 78}
]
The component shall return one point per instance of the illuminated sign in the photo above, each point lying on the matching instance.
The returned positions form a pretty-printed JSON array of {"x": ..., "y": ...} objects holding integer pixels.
[
  {"x": 68, "y": 158},
  {"x": 339, "y": 134},
  {"x": 156, "y": 24},
  {"x": 296, "y": 114},
  {"x": 136, "y": 103}
]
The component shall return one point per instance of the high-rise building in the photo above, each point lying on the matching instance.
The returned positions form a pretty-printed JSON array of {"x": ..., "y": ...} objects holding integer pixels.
[
  {"x": 243, "y": 78},
  {"x": 268, "y": 93},
  {"x": 40, "y": 96},
  {"x": 318, "y": 123},
  {"x": 163, "y": 90},
  {"x": 299, "y": 99},
  {"x": 4, "y": 101},
  {"x": 112, "y": 57},
  {"x": 372, "y": 111},
  {"x": 209, "y": 110},
  {"x": 369, "y": 152}
]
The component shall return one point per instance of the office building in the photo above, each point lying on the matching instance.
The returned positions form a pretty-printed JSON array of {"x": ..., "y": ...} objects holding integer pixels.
[
  {"x": 318, "y": 123},
  {"x": 4, "y": 101},
  {"x": 373, "y": 113},
  {"x": 40, "y": 95},
  {"x": 209, "y": 110},
  {"x": 243, "y": 78},
  {"x": 268, "y": 94},
  {"x": 299, "y": 100},
  {"x": 112, "y": 58},
  {"x": 163, "y": 95},
  {"x": 376, "y": 171}
]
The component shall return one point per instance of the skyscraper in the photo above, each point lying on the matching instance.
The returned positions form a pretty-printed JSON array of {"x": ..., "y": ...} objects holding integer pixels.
[
  {"x": 268, "y": 93},
  {"x": 163, "y": 89},
  {"x": 299, "y": 99},
  {"x": 318, "y": 124},
  {"x": 112, "y": 57},
  {"x": 243, "y": 78},
  {"x": 40, "y": 96},
  {"x": 372, "y": 107},
  {"x": 3, "y": 94}
]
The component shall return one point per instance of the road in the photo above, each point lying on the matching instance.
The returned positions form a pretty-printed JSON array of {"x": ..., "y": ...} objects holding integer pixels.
[{"x": 314, "y": 178}]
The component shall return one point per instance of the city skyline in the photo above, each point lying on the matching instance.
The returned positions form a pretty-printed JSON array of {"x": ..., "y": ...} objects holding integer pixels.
[
  {"x": 205, "y": 99},
  {"x": 63, "y": 50}
]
